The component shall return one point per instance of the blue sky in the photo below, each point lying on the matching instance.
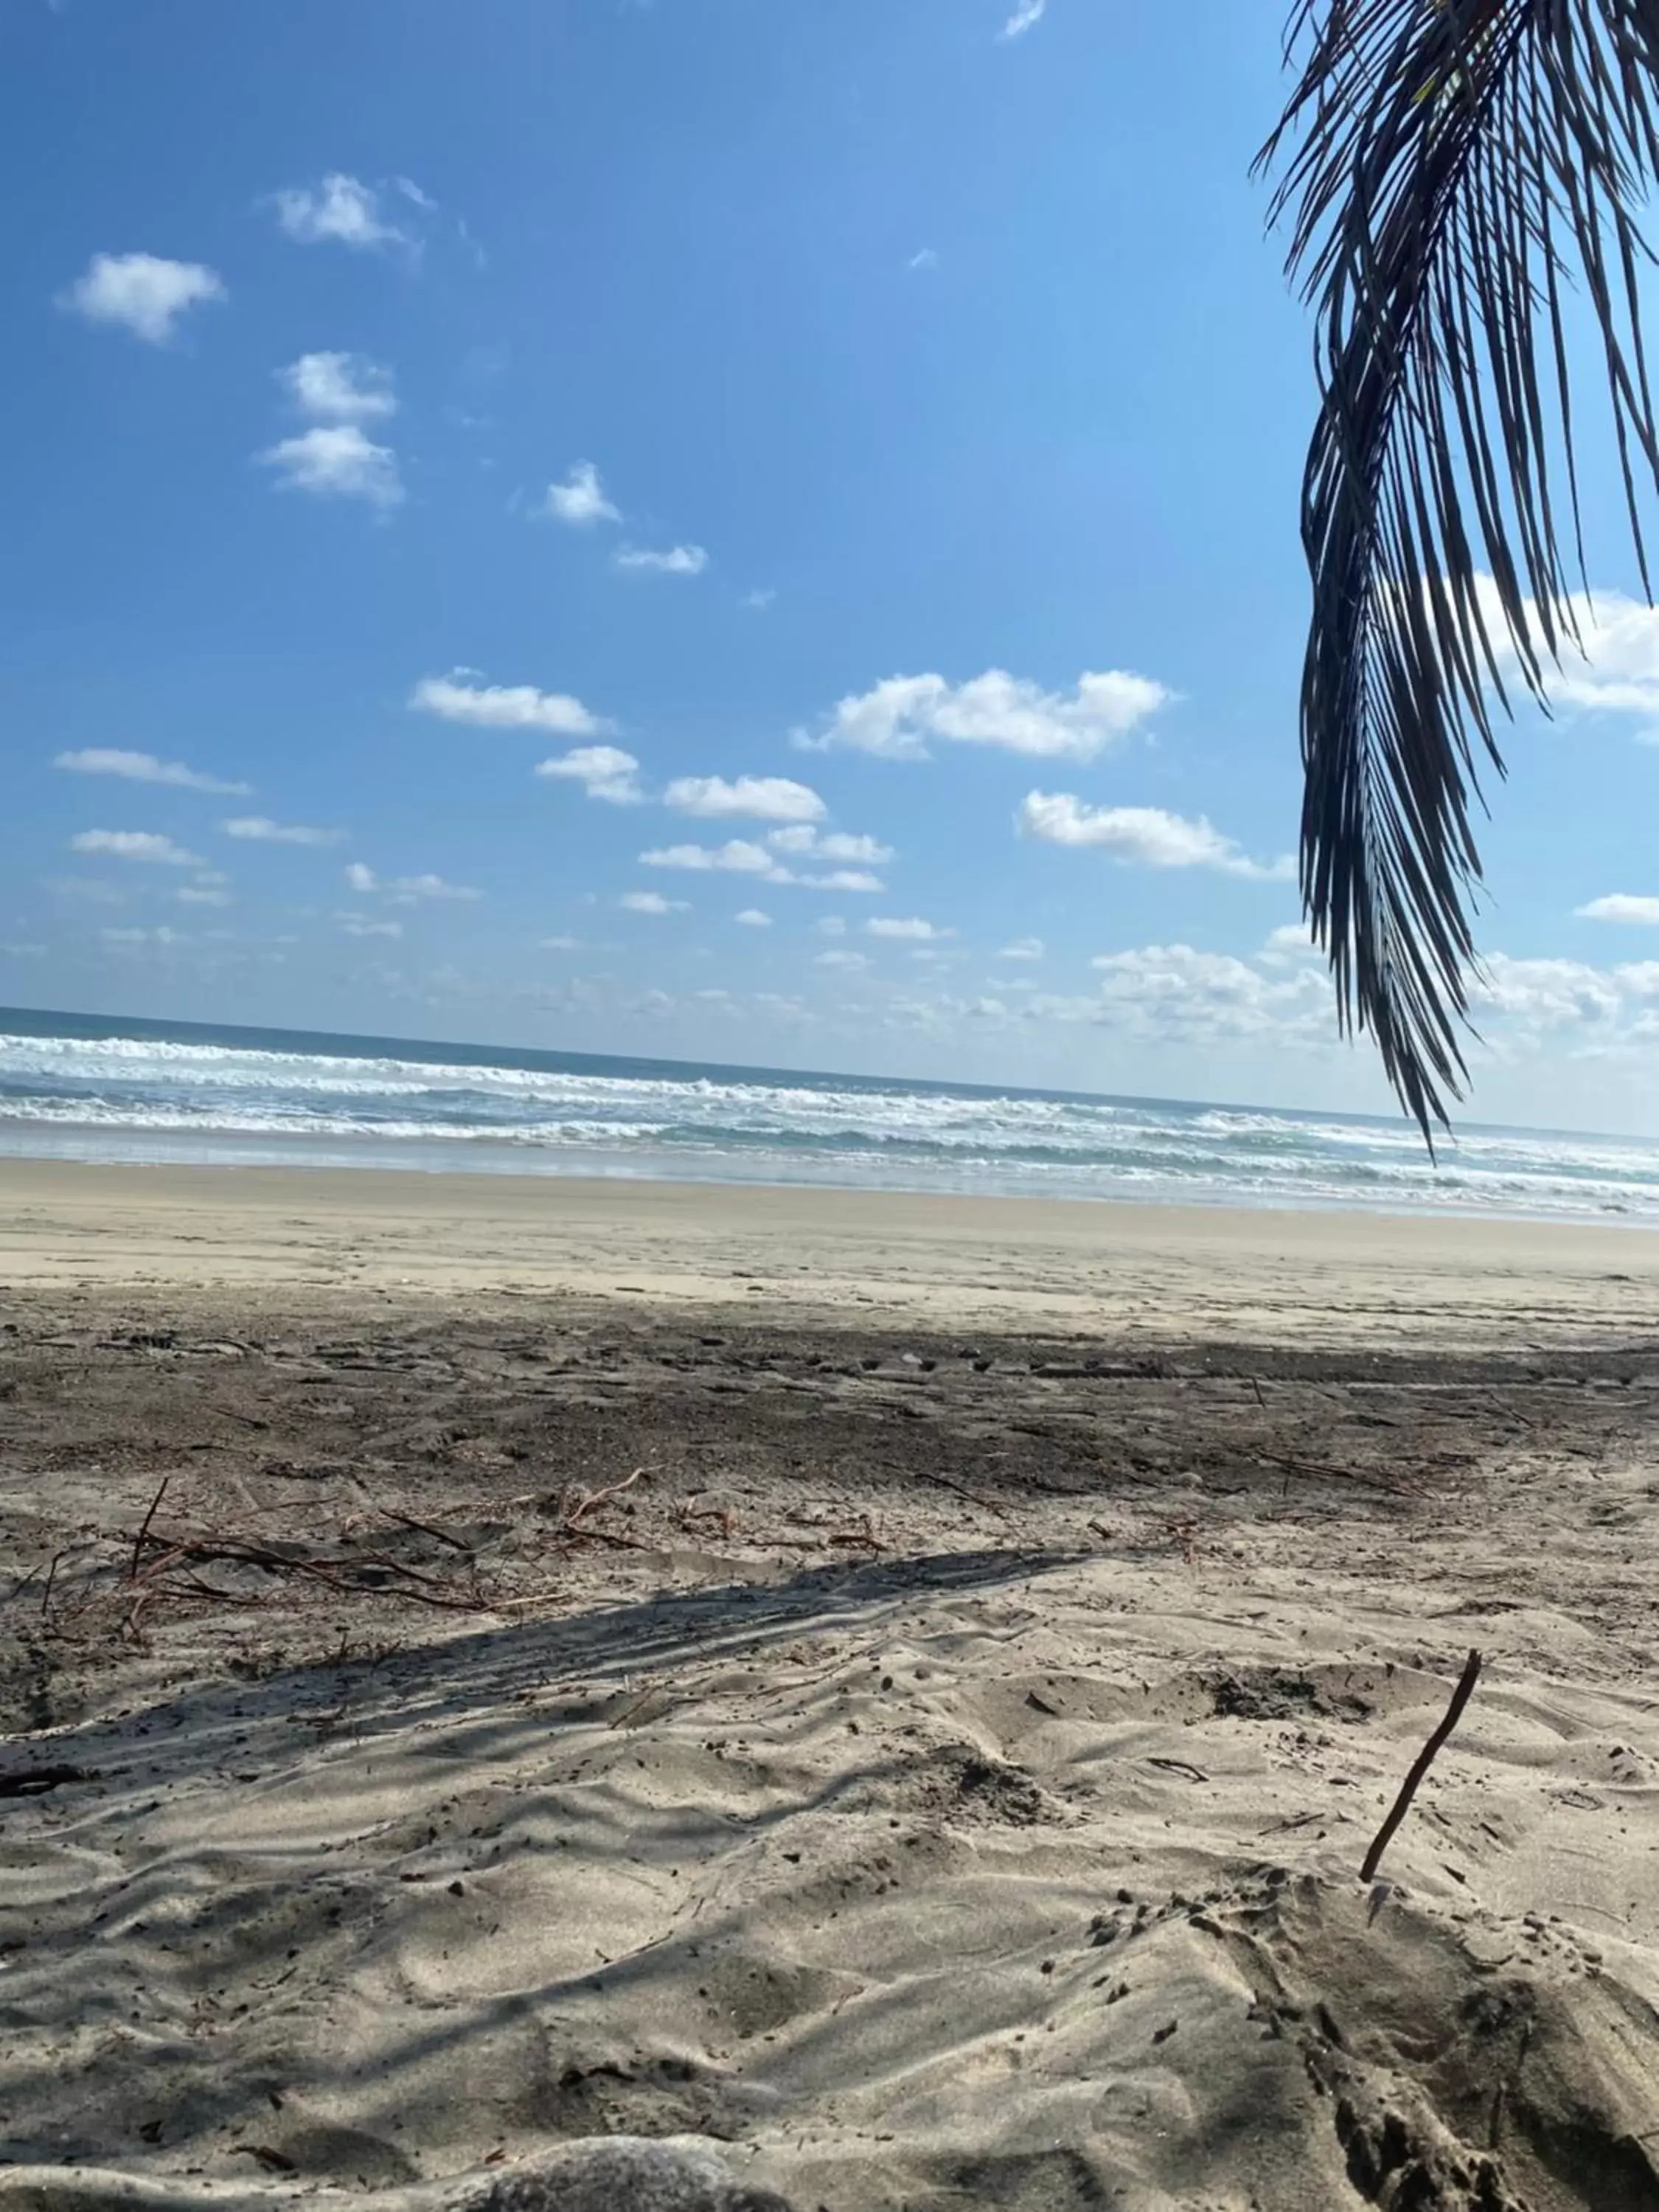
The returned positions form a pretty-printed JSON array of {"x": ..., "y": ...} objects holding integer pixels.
[{"x": 712, "y": 528}]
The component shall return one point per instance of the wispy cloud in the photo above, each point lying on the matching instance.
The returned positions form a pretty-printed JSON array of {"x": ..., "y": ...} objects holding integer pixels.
[
  {"x": 675, "y": 561},
  {"x": 651, "y": 903},
  {"x": 343, "y": 387},
  {"x": 901, "y": 717},
  {"x": 759, "y": 599},
  {"x": 604, "y": 772},
  {"x": 144, "y": 768},
  {"x": 260, "y": 829},
  {"x": 804, "y": 840},
  {"x": 908, "y": 928},
  {"x": 926, "y": 258},
  {"x": 1025, "y": 17},
  {"x": 457, "y": 698},
  {"x": 759, "y": 798},
  {"x": 363, "y": 925},
  {"x": 849, "y": 964},
  {"x": 340, "y": 210},
  {"x": 405, "y": 891},
  {"x": 1146, "y": 834},
  {"x": 203, "y": 894},
  {"x": 336, "y": 461},
  {"x": 580, "y": 501},
  {"x": 142, "y": 293},
  {"x": 135, "y": 845},
  {"x": 1022, "y": 948}
]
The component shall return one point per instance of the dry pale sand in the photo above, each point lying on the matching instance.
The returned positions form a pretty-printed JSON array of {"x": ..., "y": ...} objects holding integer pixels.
[{"x": 938, "y": 1778}]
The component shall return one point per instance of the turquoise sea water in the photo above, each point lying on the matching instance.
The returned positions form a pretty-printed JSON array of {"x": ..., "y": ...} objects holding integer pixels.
[{"x": 90, "y": 1088}]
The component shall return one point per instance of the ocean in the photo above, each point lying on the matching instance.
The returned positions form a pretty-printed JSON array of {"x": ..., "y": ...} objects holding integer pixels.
[{"x": 83, "y": 1087}]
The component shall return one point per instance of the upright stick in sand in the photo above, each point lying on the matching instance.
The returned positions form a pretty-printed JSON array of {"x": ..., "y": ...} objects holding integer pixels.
[{"x": 1402, "y": 1805}]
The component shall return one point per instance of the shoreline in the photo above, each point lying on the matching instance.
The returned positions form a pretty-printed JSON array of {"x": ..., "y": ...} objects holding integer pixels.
[{"x": 1107, "y": 1267}]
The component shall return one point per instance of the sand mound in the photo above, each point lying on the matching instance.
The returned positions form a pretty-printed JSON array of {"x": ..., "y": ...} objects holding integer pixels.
[{"x": 983, "y": 1880}]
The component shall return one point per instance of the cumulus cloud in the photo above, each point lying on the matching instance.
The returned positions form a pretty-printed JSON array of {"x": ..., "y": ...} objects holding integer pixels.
[
  {"x": 363, "y": 925},
  {"x": 580, "y": 501},
  {"x": 144, "y": 768},
  {"x": 910, "y": 928},
  {"x": 604, "y": 772},
  {"x": 135, "y": 845},
  {"x": 203, "y": 894},
  {"x": 361, "y": 878},
  {"x": 849, "y": 964},
  {"x": 651, "y": 903},
  {"x": 458, "y": 697},
  {"x": 337, "y": 460},
  {"x": 760, "y": 798},
  {"x": 1620, "y": 906},
  {"x": 674, "y": 561},
  {"x": 1146, "y": 834},
  {"x": 1544, "y": 994},
  {"x": 142, "y": 293},
  {"x": 260, "y": 829},
  {"x": 901, "y": 717},
  {"x": 343, "y": 387},
  {"x": 829, "y": 845},
  {"x": 752, "y": 918},
  {"x": 1175, "y": 992},
  {"x": 340, "y": 210},
  {"x": 1022, "y": 948}
]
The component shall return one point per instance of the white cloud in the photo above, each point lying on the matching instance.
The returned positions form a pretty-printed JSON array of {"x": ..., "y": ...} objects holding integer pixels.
[
  {"x": 343, "y": 386},
  {"x": 144, "y": 768},
  {"x": 504, "y": 705},
  {"x": 142, "y": 292},
  {"x": 335, "y": 460},
  {"x": 135, "y": 845},
  {"x": 676, "y": 561},
  {"x": 161, "y": 936},
  {"x": 752, "y": 918},
  {"x": 561, "y": 945},
  {"x": 1172, "y": 991},
  {"x": 579, "y": 500},
  {"x": 1544, "y": 994},
  {"x": 925, "y": 258},
  {"x": 849, "y": 964},
  {"x": 603, "y": 771},
  {"x": 203, "y": 894},
  {"x": 844, "y": 879},
  {"x": 341, "y": 210},
  {"x": 1291, "y": 940},
  {"x": 1620, "y": 906},
  {"x": 362, "y": 925},
  {"x": 1025, "y": 17},
  {"x": 651, "y": 903},
  {"x": 829, "y": 845},
  {"x": 736, "y": 857},
  {"x": 260, "y": 829},
  {"x": 759, "y": 599},
  {"x": 1148, "y": 835},
  {"x": 1022, "y": 948},
  {"x": 911, "y": 928},
  {"x": 405, "y": 891},
  {"x": 762, "y": 798},
  {"x": 830, "y": 926},
  {"x": 898, "y": 718}
]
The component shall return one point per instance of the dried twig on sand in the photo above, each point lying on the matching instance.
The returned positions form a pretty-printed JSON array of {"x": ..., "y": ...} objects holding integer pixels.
[{"x": 1402, "y": 1805}]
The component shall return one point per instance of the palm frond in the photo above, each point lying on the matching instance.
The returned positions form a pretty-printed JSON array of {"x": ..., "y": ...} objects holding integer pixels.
[{"x": 1451, "y": 168}]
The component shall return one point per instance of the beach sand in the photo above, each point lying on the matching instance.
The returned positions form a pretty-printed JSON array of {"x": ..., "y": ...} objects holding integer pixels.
[{"x": 900, "y": 1687}]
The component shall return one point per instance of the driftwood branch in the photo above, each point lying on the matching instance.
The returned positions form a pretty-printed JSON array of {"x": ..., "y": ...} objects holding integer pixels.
[{"x": 1425, "y": 1759}]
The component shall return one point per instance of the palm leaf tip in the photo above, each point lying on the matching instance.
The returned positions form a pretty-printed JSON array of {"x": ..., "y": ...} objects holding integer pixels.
[{"x": 1448, "y": 168}]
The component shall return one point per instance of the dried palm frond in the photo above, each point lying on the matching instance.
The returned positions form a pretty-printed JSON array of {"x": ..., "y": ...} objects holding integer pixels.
[{"x": 1452, "y": 167}]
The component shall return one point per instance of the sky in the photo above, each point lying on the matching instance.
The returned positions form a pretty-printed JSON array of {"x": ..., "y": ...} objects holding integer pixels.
[{"x": 721, "y": 529}]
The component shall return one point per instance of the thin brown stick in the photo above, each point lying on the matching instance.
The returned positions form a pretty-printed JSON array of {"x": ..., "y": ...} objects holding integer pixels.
[
  {"x": 1402, "y": 1805},
  {"x": 585, "y": 1504},
  {"x": 427, "y": 1529},
  {"x": 143, "y": 1531}
]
